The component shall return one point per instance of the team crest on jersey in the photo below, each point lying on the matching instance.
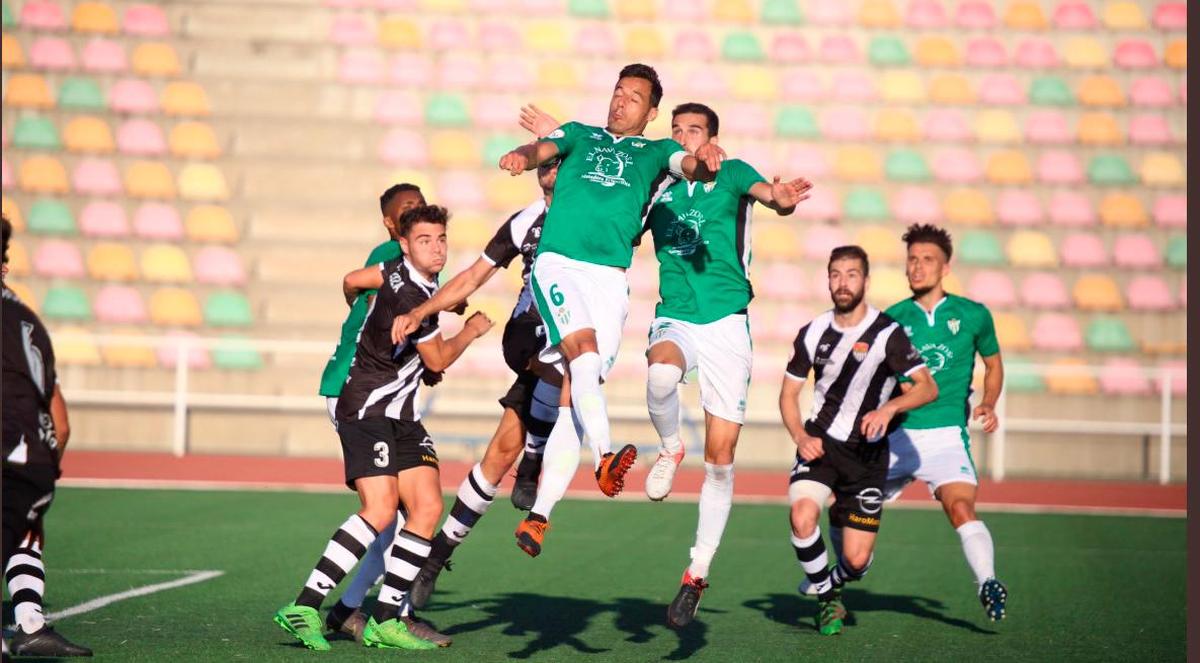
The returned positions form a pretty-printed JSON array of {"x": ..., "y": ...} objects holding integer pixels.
[
  {"x": 685, "y": 234},
  {"x": 709, "y": 186},
  {"x": 860, "y": 350},
  {"x": 608, "y": 166},
  {"x": 395, "y": 281},
  {"x": 954, "y": 324},
  {"x": 908, "y": 330},
  {"x": 564, "y": 315},
  {"x": 824, "y": 347}
]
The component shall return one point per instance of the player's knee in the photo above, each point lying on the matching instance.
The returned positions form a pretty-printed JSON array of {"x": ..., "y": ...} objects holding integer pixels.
[
  {"x": 379, "y": 516},
  {"x": 804, "y": 518},
  {"x": 961, "y": 512},
  {"x": 661, "y": 381},
  {"x": 857, "y": 560}
]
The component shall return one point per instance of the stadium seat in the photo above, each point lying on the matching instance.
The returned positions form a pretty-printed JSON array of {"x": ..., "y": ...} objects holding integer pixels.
[
  {"x": 1097, "y": 292},
  {"x": 945, "y": 125},
  {"x": 1123, "y": 210},
  {"x": 1108, "y": 334},
  {"x": 18, "y": 260},
  {"x": 640, "y": 42},
  {"x": 1009, "y": 167},
  {"x": 1001, "y": 90},
  {"x": 185, "y": 98},
  {"x": 120, "y": 304},
  {"x": 361, "y": 67},
  {"x": 786, "y": 48},
  {"x": 145, "y": 20},
  {"x": 197, "y": 355},
  {"x": 42, "y": 15},
  {"x": 1135, "y": 54},
  {"x": 165, "y": 263},
  {"x": 1101, "y": 91},
  {"x": 857, "y": 164},
  {"x": 7, "y": 18},
  {"x": 211, "y": 223},
  {"x": 448, "y": 35},
  {"x": 131, "y": 95},
  {"x": 52, "y": 53},
  {"x": 219, "y": 266},
  {"x": 822, "y": 205},
  {"x": 775, "y": 240},
  {"x": 96, "y": 177},
  {"x": 1162, "y": 169},
  {"x": 742, "y": 47},
  {"x": 1084, "y": 53},
  {"x": 1059, "y": 167},
  {"x": 103, "y": 56},
  {"x": 881, "y": 244},
  {"x": 7, "y": 179},
  {"x": 103, "y": 219},
  {"x": 865, "y": 204},
  {"x": 1071, "y": 377},
  {"x": 975, "y": 14},
  {"x": 1110, "y": 170},
  {"x": 906, "y": 165},
  {"x": 915, "y": 205},
  {"x": 968, "y": 207},
  {"x": 158, "y": 221},
  {"x": 174, "y": 307},
  {"x": 893, "y": 124},
  {"x": 350, "y": 30},
  {"x": 588, "y": 8},
  {"x": 66, "y": 302},
  {"x": 986, "y": 52},
  {"x": 951, "y": 90},
  {"x": 13, "y": 213},
  {"x": 414, "y": 70},
  {"x": 1074, "y": 15},
  {"x": 79, "y": 93},
  {"x": 155, "y": 59},
  {"x": 1124, "y": 16},
  {"x": 848, "y": 124},
  {"x": 1147, "y": 129},
  {"x": 401, "y": 107},
  {"x": 149, "y": 179},
  {"x": 1099, "y": 129},
  {"x": 109, "y": 261},
  {"x": 1018, "y": 207},
  {"x": 11, "y": 54},
  {"x": 878, "y": 14},
  {"x": 1071, "y": 208},
  {"x": 1136, "y": 251},
  {"x": 1083, "y": 250},
  {"x": 992, "y": 288},
  {"x": 781, "y": 12},
  {"x": 1151, "y": 91},
  {"x": 49, "y": 216},
  {"x": 902, "y": 87},
  {"x": 1037, "y": 54},
  {"x": 1149, "y": 293},
  {"x": 1044, "y": 290},
  {"x": 88, "y": 134},
  {"x": 1177, "y": 252},
  {"x": 28, "y": 91},
  {"x": 405, "y": 147},
  {"x": 75, "y": 346},
  {"x": 194, "y": 140},
  {"x": 852, "y": 86},
  {"x": 1012, "y": 335},
  {"x": 94, "y": 18},
  {"x": 820, "y": 239},
  {"x": 128, "y": 354},
  {"x": 34, "y": 132},
  {"x": 839, "y": 49},
  {"x": 978, "y": 247},
  {"x": 1050, "y": 91},
  {"x": 756, "y": 84},
  {"x": 996, "y": 126},
  {"x": 1175, "y": 55},
  {"x": 236, "y": 354},
  {"x": 461, "y": 189},
  {"x": 936, "y": 51},
  {"x": 1029, "y": 248},
  {"x": 202, "y": 182},
  {"x": 1171, "y": 16},
  {"x": 141, "y": 137},
  {"x": 1170, "y": 211},
  {"x": 1025, "y": 15},
  {"x": 1057, "y": 332},
  {"x": 42, "y": 174},
  {"x": 796, "y": 122},
  {"x": 227, "y": 309},
  {"x": 802, "y": 85},
  {"x": 956, "y": 165},
  {"x": 1122, "y": 376},
  {"x": 446, "y": 110}
]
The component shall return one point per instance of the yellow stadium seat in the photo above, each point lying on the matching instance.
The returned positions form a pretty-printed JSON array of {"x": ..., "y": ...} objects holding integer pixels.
[
  {"x": 1162, "y": 169},
  {"x": 13, "y": 214},
  {"x": 951, "y": 283},
  {"x": 24, "y": 294},
  {"x": 28, "y": 91},
  {"x": 109, "y": 261},
  {"x": 95, "y": 18},
  {"x": 1009, "y": 167},
  {"x": 858, "y": 164},
  {"x": 882, "y": 244},
  {"x": 1029, "y": 248},
  {"x": 149, "y": 179},
  {"x": 1011, "y": 332},
  {"x": 505, "y": 192},
  {"x": 1025, "y": 15},
  {"x": 888, "y": 286},
  {"x": 128, "y": 355},
  {"x": 1123, "y": 210},
  {"x": 1099, "y": 129},
  {"x": 397, "y": 32},
  {"x": 951, "y": 89},
  {"x": 755, "y": 83},
  {"x": 1085, "y": 53},
  {"x": 1101, "y": 91},
  {"x": 166, "y": 263},
  {"x": 937, "y": 52},
  {"x": 202, "y": 181},
  {"x": 443, "y": 6},
  {"x": 75, "y": 346},
  {"x": 878, "y": 14},
  {"x": 88, "y": 134},
  {"x": 195, "y": 140},
  {"x": 968, "y": 206},
  {"x": 636, "y": 10},
  {"x": 896, "y": 125},
  {"x": 1069, "y": 376},
  {"x": 210, "y": 223},
  {"x": 185, "y": 98},
  {"x": 453, "y": 149},
  {"x": 1097, "y": 292},
  {"x": 18, "y": 259},
  {"x": 731, "y": 11},
  {"x": 1124, "y": 16},
  {"x": 997, "y": 126},
  {"x": 174, "y": 307},
  {"x": 644, "y": 42},
  {"x": 154, "y": 58},
  {"x": 43, "y": 174},
  {"x": 557, "y": 74},
  {"x": 422, "y": 179},
  {"x": 1176, "y": 54},
  {"x": 902, "y": 87},
  {"x": 775, "y": 240},
  {"x": 11, "y": 55},
  {"x": 549, "y": 37}
]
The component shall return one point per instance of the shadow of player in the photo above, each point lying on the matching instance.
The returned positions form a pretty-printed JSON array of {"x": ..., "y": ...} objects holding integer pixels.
[{"x": 796, "y": 610}]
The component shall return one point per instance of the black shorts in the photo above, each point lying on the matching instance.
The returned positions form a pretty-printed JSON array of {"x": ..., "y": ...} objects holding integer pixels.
[
  {"x": 520, "y": 394},
  {"x": 382, "y": 446},
  {"x": 855, "y": 472},
  {"x": 524, "y": 338},
  {"x": 27, "y": 497}
]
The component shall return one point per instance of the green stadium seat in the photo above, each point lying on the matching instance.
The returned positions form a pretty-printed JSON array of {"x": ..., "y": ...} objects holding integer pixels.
[
  {"x": 588, "y": 8},
  {"x": 742, "y": 47},
  {"x": 796, "y": 122},
  {"x": 1022, "y": 379},
  {"x": 33, "y": 132},
  {"x": 1108, "y": 334},
  {"x": 781, "y": 12},
  {"x": 497, "y": 146},
  {"x": 865, "y": 204},
  {"x": 979, "y": 247},
  {"x": 1110, "y": 169},
  {"x": 227, "y": 309},
  {"x": 51, "y": 217},
  {"x": 9, "y": 19},
  {"x": 1050, "y": 91},
  {"x": 66, "y": 302},
  {"x": 888, "y": 51},
  {"x": 78, "y": 93},
  {"x": 906, "y": 165},
  {"x": 446, "y": 110},
  {"x": 235, "y": 353},
  {"x": 1177, "y": 252}
]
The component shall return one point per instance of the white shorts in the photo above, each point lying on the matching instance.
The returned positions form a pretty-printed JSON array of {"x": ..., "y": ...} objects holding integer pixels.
[
  {"x": 572, "y": 295},
  {"x": 331, "y": 405},
  {"x": 721, "y": 353},
  {"x": 937, "y": 456}
]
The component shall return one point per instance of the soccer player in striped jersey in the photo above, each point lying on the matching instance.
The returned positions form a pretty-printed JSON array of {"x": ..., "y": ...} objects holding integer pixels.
[
  {"x": 389, "y": 457},
  {"x": 856, "y": 354}
]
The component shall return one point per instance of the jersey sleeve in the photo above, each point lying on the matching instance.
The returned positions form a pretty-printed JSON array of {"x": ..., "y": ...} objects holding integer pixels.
[
  {"x": 500, "y": 249},
  {"x": 902, "y": 358},
  {"x": 565, "y": 137},
  {"x": 800, "y": 363},
  {"x": 742, "y": 176},
  {"x": 672, "y": 156},
  {"x": 383, "y": 253},
  {"x": 985, "y": 339}
]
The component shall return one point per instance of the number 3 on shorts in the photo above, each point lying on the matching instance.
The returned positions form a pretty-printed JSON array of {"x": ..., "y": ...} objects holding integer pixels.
[
  {"x": 381, "y": 448},
  {"x": 556, "y": 296}
]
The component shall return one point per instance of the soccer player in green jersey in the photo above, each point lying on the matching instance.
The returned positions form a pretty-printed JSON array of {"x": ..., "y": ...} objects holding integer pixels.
[
  {"x": 607, "y": 179},
  {"x": 702, "y": 240}
]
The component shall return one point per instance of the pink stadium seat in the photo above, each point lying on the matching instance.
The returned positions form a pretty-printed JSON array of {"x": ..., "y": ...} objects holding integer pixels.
[
  {"x": 822, "y": 205},
  {"x": 460, "y": 189},
  {"x": 1018, "y": 207},
  {"x": 1074, "y": 15},
  {"x": 449, "y": 34},
  {"x": 819, "y": 240},
  {"x": 103, "y": 218},
  {"x": 1047, "y": 127},
  {"x": 786, "y": 48},
  {"x": 1001, "y": 89},
  {"x": 1178, "y": 376},
  {"x": 361, "y": 66},
  {"x": 500, "y": 36},
  {"x": 808, "y": 159},
  {"x": 1036, "y": 53},
  {"x": 119, "y": 304},
  {"x": 350, "y": 30},
  {"x": 974, "y": 14},
  {"x": 404, "y": 147},
  {"x": 1059, "y": 167},
  {"x": 1151, "y": 91},
  {"x": 219, "y": 265},
  {"x": 853, "y": 86},
  {"x": 986, "y": 52},
  {"x": 762, "y": 155},
  {"x": 141, "y": 137},
  {"x": 695, "y": 45},
  {"x": 916, "y": 205},
  {"x": 844, "y": 124},
  {"x": 1149, "y": 293},
  {"x": 493, "y": 111},
  {"x": 802, "y": 85},
  {"x": 1183, "y": 89},
  {"x": 745, "y": 119},
  {"x": 1136, "y": 251},
  {"x": 1057, "y": 332},
  {"x": 782, "y": 280},
  {"x": 992, "y": 288},
  {"x": 51, "y": 53},
  {"x": 839, "y": 49},
  {"x": 1170, "y": 211},
  {"x": 146, "y": 21},
  {"x": 1183, "y": 293},
  {"x": 131, "y": 95},
  {"x": 1122, "y": 376},
  {"x": 460, "y": 71},
  {"x": 399, "y": 107},
  {"x": 96, "y": 177},
  {"x": 7, "y": 178},
  {"x": 945, "y": 125},
  {"x": 1071, "y": 208},
  {"x": 197, "y": 357},
  {"x": 411, "y": 69},
  {"x": 1171, "y": 16},
  {"x": 157, "y": 221},
  {"x": 40, "y": 15},
  {"x": 1146, "y": 129},
  {"x": 1083, "y": 250},
  {"x": 103, "y": 56},
  {"x": 956, "y": 165},
  {"x": 926, "y": 14},
  {"x": 823, "y": 13},
  {"x": 57, "y": 258},
  {"x": 1135, "y": 54},
  {"x": 593, "y": 39},
  {"x": 510, "y": 76},
  {"x": 1044, "y": 290}
]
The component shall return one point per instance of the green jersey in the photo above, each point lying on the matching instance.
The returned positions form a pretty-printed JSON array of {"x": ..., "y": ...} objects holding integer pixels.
[
  {"x": 947, "y": 338},
  {"x": 604, "y": 188},
  {"x": 338, "y": 367},
  {"x": 702, "y": 239}
]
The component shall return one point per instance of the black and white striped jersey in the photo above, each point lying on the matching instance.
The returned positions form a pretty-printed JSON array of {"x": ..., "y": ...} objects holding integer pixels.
[
  {"x": 385, "y": 378},
  {"x": 855, "y": 371},
  {"x": 519, "y": 236}
]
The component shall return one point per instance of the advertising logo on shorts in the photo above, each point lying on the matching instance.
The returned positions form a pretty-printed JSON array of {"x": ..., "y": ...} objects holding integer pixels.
[
  {"x": 870, "y": 500},
  {"x": 608, "y": 166},
  {"x": 860, "y": 350}
]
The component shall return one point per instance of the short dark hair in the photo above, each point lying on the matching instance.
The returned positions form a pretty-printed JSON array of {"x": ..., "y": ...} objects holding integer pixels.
[
  {"x": 7, "y": 232},
  {"x": 422, "y": 214},
  {"x": 921, "y": 233},
  {"x": 646, "y": 73},
  {"x": 714, "y": 122},
  {"x": 395, "y": 190},
  {"x": 850, "y": 251}
]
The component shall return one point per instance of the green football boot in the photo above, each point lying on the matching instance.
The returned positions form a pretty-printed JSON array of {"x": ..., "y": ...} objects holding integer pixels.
[
  {"x": 393, "y": 634},
  {"x": 304, "y": 623}
]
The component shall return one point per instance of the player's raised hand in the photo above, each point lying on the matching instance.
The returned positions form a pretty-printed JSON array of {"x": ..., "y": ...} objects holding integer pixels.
[
  {"x": 810, "y": 448},
  {"x": 712, "y": 155},
  {"x": 537, "y": 121},
  {"x": 875, "y": 423},
  {"x": 479, "y": 323},
  {"x": 790, "y": 194},
  {"x": 986, "y": 416},
  {"x": 515, "y": 162},
  {"x": 404, "y": 325}
]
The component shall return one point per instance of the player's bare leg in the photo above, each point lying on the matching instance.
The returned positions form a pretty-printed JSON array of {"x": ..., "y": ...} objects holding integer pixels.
[
  {"x": 664, "y": 372},
  {"x": 958, "y": 501}
]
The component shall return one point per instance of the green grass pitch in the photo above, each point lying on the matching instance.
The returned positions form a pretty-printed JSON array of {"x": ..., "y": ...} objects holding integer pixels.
[{"x": 1081, "y": 587}]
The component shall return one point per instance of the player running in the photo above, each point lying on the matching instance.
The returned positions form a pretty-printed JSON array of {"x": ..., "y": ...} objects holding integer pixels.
[
  {"x": 608, "y": 177},
  {"x": 36, "y": 430},
  {"x": 390, "y": 459},
  {"x": 856, "y": 354}
]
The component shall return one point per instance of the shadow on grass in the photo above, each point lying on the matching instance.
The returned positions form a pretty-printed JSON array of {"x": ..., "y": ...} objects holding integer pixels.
[{"x": 796, "y": 610}]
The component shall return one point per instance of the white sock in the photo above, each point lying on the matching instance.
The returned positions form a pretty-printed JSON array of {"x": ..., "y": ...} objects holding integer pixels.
[
  {"x": 977, "y": 546},
  {"x": 370, "y": 569},
  {"x": 716, "y": 497},
  {"x": 662, "y": 400},
  {"x": 587, "y": 399},
  {"x": 543, "y": 411},
  {"x": 559, "y": 463}
]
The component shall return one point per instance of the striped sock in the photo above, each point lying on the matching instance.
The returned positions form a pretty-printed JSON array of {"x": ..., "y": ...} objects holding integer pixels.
[
  {"x": 474, "y": 497},
  {"x": 26, "y": 578},
  {"x": 811, "y": 553},
  {"x": 844, "y": 573},
  {"x": 408, "y": 555},
  {"x": 348, "y": 545},
  {"x": 541, "y": 416}
]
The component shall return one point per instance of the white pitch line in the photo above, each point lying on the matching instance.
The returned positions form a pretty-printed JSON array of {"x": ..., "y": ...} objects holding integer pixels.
[{"x": 99, "y": 602}]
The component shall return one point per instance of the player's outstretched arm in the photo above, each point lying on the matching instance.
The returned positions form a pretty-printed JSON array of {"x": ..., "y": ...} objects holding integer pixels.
[
  {"x": 528, "y": 157},
  {"x": 62, "y": 425},
  {"x": 781, "y": 196},
  {"x": 703, "y": 166},
  {"x": 924, "y": 390},
  {"x": 809, "y": 447},
  {"x": 439, "y": 353},
  {"x": 454, "y": 293},
  {"x": 361, "y": 280},
  {"x": 993, "y": 382}
]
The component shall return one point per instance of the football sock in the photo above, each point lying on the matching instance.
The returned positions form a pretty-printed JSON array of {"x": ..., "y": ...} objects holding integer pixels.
[
  {"x": 408, "y": 555},
  {"x": 348, "y": 545},
  {"x": 588, "y": 401},
  {"x": 543, "y": 412},
  {"x": 716, "y": 497},
  {"x": 560, "y": 462},
  {"x": 977, "y": 546},
  {"x": 26, "y": 578},
  {"x": 810, "y": 551},
  {"x": 844, "y": 573},
  {"x": 474, "y": 497},
  {"x": 370, "y": 570},
  {"x": 662, "y": 400}
]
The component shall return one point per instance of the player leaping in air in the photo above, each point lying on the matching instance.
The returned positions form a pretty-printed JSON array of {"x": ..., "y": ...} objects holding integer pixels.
[{"x": 607, "y": 179}]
